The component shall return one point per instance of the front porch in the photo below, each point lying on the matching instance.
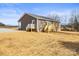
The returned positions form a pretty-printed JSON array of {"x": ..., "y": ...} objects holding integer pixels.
[{"x": 30, "y": 27}]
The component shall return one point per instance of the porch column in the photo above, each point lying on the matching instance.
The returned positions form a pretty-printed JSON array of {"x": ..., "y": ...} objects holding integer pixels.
[
  {"x": 59, "y": 29},
  {"x": 37, "y": 25},
  {"x": 19, "y": 25}
]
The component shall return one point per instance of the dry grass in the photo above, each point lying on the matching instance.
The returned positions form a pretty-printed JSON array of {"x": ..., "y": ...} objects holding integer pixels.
[
  {"x": 36, "y": 44},
  {"x": 9, "y": 27}
]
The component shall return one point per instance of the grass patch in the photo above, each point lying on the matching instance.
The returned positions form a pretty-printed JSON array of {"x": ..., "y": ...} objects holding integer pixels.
[{"x": 38, "y": 44}]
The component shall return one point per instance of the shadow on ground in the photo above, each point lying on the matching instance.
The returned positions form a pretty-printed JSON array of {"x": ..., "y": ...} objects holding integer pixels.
[{"x": 74, "y": 46}]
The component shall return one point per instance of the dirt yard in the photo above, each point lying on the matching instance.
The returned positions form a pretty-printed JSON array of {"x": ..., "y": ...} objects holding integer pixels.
[{"x": 36, "y": 44}]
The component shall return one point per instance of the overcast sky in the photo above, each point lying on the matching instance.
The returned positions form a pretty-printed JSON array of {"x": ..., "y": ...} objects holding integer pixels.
[{"x": 11, "y": 13}]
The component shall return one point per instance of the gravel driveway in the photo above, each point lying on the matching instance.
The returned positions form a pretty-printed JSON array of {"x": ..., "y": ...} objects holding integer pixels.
[{"x": 6, "y": 30}]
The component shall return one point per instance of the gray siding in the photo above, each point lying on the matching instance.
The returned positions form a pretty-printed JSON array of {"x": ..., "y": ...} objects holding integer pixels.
[
  {"x": 54, "y": 25},
  {"x": 26, "y": 19},
  {"x": 41, "y": 24}
]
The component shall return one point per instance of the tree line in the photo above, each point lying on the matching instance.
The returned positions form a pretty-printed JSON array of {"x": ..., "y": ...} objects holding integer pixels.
[{"x": 73, "y": 21}]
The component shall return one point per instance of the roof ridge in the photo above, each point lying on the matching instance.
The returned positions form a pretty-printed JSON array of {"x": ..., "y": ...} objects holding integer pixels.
[{"x": 41, "y": 17}]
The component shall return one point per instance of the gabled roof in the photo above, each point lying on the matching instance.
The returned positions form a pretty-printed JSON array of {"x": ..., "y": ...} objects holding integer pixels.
[{"x": 40, "y": 17}]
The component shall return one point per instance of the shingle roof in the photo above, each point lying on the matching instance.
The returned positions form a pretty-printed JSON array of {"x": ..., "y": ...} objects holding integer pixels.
[{"x": 41, "y": 17}]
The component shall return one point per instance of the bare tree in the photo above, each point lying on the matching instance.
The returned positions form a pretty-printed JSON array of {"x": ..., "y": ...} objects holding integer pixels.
[
  {"x": 56, "y": 18},
  {"x": 74, "y": 21}
]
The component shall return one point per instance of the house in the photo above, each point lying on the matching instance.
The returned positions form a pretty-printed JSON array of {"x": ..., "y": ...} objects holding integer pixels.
[{"x": 38, "y": 23}]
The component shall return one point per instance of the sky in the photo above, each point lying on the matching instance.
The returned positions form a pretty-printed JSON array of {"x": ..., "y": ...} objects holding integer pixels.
[{"x": 10, "y": 13}]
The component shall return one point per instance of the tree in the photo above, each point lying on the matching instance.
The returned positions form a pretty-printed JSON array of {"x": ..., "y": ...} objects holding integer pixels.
[
  {"x": 1, "y": 24},
  {"x": 55, "y": 17},
  {"x": 74, "y": 21}
]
